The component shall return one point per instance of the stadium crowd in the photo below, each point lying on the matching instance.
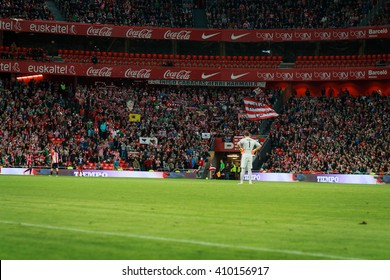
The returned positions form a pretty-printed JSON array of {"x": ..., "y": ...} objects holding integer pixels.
[
  {"x": 25, "y": 9},
  {"x": 94, "y": 121},
  {"x": 383, "y": 18},
  {"x": 128, "y": 12},
  {"x": 226, "y": 14},
  {"x": 340, "y": 134},
  {"x": 253, "y": 14},
  {"x": 166, "y": 128}
]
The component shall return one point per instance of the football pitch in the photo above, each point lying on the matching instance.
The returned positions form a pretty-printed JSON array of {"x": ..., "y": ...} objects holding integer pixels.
[{"x": 88, "y": 218}]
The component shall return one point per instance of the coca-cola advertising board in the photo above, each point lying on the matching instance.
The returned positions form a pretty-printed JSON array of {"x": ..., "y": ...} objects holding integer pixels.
[
  {"x": 156, "y": 33},
  {"x": 231, "y": 76}
]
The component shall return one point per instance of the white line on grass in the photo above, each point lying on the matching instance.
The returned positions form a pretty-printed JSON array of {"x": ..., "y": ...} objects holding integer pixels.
[{"x": 186, "y": 241}]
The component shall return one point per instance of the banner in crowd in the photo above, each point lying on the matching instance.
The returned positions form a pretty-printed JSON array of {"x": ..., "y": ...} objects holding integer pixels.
[
  {"x": 230, "y": 76},
  {"x": 134, "y": 117},
  {"x": 206, "y": 135},
  {"x": 192, "y": 34},
  {"x": 257, "y": 111},
  {"x": 148, "y": 140},
  {"x": 130, "y": 105},
  {"x": 206, "y": 83}
]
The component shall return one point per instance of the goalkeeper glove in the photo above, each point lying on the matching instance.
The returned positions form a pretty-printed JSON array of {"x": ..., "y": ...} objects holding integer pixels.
[{"x": 242, "y": 150}]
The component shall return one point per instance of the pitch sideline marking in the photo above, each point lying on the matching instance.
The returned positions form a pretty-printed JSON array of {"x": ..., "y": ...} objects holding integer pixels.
[{"x": 186, "y": 241}]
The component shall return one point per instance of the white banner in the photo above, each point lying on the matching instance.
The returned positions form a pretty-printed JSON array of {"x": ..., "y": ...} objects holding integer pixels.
[
  {"x": 193, "y": 269},
  {"x": 130, "y": 105},
  {"x": 206, "y": 135},
  {"x": 148, "y": 140}
]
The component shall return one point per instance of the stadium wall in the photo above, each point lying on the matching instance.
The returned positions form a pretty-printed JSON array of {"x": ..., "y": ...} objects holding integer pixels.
[{"x": 263, "y": 177}]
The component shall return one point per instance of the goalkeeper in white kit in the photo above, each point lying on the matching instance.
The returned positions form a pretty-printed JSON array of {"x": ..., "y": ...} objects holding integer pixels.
[{"x": 248, "y": 148}]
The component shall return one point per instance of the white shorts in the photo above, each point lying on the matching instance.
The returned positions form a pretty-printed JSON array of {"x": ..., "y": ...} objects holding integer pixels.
[{"x": 246, "y": 161}]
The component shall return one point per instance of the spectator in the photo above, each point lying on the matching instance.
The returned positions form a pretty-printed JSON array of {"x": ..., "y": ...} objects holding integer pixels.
[{"x": 340, "y": 134}]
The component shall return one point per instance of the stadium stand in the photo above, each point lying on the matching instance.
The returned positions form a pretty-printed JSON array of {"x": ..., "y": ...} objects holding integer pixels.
[
  {"x": 130, "y": 12},
  {"x": 382, "y": 18},
  {"x": 226, "y": 14},
  {"x": 95, "y": 121},
  {"x": 342, "y": 61},
  {"x": 22, "y": 53},
  {"x": 269, "y": 14},
  {"x": 32, "y": 9},
  {"x": 310, "y": 136},
  {"x": 152, "y": 59},
  {"x": 341, "y": 134}
]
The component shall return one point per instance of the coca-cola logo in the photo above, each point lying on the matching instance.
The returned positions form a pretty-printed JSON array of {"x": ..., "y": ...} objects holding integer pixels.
[
  {"x": 138, "y": 74},
  {"x": 266, "y": 76},
  {"x": 99, "y": 72},
  {"x": 99, "y": 31},
  {"x": 141, "y": 34},
  {"x": 177, "y": 35},
  {"x": 179, "y": 75}
]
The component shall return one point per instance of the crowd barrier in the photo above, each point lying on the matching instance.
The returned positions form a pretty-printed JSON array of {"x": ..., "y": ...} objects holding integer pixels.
[
  {"x": 256, "y": 176},
  {"x": 321, "y": 178},
  {"x": 100, "y": 173}
]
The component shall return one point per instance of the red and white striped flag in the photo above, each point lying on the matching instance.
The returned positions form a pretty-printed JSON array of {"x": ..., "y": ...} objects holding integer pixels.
[{"x": 256, "y": 111}]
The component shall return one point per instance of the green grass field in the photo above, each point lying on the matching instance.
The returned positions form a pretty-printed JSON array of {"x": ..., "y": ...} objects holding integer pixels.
[{"x": 126, "y": 219}]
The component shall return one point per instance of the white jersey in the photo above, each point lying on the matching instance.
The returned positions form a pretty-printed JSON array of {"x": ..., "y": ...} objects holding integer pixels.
[{"x": 248, "y": 144}]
